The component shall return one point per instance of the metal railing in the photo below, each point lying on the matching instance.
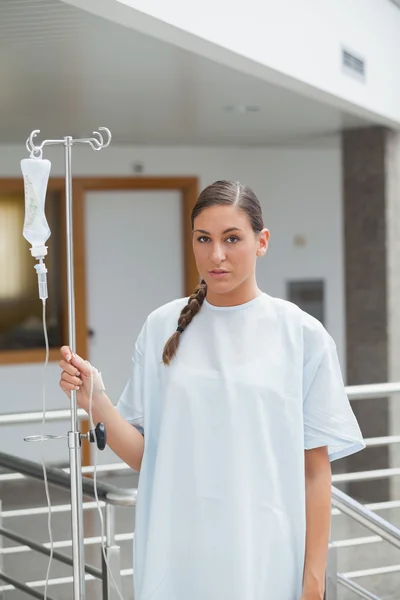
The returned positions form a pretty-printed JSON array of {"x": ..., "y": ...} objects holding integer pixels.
[
  {"x": 344, "y": 504},
  {"x": 363, "y": 515},
  {"x": 111, "y": 497}
]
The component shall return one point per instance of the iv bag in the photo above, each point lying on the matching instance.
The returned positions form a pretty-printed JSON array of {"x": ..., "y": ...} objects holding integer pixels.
[{"x": 36, "y": 229}]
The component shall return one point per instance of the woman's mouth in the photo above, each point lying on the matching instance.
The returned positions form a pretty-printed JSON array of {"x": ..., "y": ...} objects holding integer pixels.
[{"x": 218, "y": 273}]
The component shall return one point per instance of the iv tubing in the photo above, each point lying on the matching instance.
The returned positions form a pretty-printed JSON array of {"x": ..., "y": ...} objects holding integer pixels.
[
  {"x": 96, "y": 450},
  {"x": 46, "y": 484}
]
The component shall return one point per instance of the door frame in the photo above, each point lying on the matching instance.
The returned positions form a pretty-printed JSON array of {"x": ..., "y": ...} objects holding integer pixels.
[{"x": 188, "y": 189}]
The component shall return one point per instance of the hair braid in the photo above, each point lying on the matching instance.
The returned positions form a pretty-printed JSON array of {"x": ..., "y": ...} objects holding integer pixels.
[{"x": 185, "y": 318}]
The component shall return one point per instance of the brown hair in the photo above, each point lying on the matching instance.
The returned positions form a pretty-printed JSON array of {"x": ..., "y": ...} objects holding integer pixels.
[{"x": 217, "y": 194}]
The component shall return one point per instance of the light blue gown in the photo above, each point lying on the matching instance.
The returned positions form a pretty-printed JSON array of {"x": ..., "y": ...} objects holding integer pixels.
[{"x": 221, "y": 498}]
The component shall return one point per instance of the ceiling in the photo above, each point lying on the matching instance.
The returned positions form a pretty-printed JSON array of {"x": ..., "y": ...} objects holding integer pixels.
[{"x": 67, "y": 72}]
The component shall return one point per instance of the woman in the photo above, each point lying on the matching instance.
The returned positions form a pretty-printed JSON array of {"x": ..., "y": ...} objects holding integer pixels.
[{"x": 236, "y": 417}]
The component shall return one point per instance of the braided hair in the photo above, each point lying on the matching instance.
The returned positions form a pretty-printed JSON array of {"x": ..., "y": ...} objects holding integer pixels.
[
  {"x": 185, "y": 318},
  {"x": 217, "y": 194}
]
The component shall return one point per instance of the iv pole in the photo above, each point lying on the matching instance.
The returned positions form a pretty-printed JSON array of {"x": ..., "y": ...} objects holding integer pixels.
[{"x": 74, "y": 436}]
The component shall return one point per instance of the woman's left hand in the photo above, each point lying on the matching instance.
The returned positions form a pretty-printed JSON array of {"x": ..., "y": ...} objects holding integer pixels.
[{"x": 312, "y": 596}]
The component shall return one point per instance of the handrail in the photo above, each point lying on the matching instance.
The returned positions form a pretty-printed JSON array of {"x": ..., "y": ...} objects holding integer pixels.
[
  {"x": 88, "y": 541},
  {"x": 118, "y": 467},
  {"x": 42, "y": 549},
  {"x": 372, "y": 390},
  {"x": 112, "y": 495},
  {"x": 363, "y": 515},
  {"x": 22, "y": 586},
  {"x": 127, "y": 497},
  {"x": 61, "y": 414},
  {"x": 354, "y": 392},
  {"x": 63, "y": 508},
  {"x": 108, "y": 493},
  {"x": 354, "y": 587},
  {"x": 362, "y": 475},
  {"x": 372, "y": 571},
  {"x": 30, "y": 585},
  {"x": 366, "y": 517},
  {"x": 385, "y": 440}
]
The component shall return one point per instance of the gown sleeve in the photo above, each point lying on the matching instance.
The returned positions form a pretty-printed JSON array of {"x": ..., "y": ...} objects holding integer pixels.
[
  {"x": 328, "y": 417},
  {"x": 130, "y": 404}
]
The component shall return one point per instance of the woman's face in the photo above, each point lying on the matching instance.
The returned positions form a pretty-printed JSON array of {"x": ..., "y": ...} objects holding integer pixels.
[{"x": 226, "y": 249}]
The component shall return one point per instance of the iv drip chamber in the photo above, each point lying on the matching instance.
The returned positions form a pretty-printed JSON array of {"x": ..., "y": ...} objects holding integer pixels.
[{"x": 36, "y": 231}]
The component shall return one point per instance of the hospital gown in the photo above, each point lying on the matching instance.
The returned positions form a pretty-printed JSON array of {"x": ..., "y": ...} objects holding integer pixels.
[{"x": 221, "y": 496}]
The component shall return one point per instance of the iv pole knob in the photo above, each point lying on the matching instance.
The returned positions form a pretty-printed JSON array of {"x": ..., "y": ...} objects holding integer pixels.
[{"x": 99, "y": 436}]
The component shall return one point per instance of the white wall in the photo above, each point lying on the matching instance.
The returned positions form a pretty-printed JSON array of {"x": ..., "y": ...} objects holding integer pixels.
[
  {"x": 300, "y": 190},
  {"x": 291, "y": 43}
]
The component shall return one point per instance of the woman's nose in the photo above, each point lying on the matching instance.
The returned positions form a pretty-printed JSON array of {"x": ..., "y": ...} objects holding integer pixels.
[{"x": 218, "y": 254}]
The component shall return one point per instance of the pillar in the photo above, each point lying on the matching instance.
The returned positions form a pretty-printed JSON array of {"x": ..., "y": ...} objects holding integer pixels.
[{"x": 372, "y": 287}]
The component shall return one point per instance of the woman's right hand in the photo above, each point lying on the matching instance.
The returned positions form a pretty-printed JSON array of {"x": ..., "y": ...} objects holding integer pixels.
[{"x": 76, "y": 375}]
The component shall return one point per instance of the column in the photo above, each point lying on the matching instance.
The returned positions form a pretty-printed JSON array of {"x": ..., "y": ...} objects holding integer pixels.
[{"x": 372, "y": 283}]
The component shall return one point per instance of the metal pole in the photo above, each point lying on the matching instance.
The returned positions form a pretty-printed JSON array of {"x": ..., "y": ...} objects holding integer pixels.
[
  {"x": 74, "y": 436},
  {"x": 365, "y": 517},
  {"x": 331, "y": 584},
  {"x": 74, "y": 439},
  {"x": 356, "y": 588},
  {"x": 110, "y": 524},
  {"x": 112, "y": 570}
]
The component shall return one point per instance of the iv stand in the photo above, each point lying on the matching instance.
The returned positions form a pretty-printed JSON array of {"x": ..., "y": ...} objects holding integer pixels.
[{"x": 74, "y": 436}]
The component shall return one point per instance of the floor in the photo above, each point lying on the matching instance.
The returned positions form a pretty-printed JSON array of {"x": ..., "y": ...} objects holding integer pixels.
[{"x": 31, "y": 566}]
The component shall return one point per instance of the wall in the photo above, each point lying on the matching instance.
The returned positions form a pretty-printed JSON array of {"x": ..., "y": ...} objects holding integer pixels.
[
  {"x": 300, "y": 189},
  {"x": 267, "y": 39}
]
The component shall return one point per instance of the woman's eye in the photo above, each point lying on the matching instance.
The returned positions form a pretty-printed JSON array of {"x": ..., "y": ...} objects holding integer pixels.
[{"x": 232, "y": 239}]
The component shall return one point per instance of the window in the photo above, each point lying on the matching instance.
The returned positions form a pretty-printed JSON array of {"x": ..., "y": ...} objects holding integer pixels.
[
  {"x": 21, "y": 325},
  {"x": 309, "y": 296}
]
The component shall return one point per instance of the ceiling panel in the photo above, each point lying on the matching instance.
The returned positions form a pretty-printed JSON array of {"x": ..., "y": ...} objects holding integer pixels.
[{"x": 65, "y": 71}]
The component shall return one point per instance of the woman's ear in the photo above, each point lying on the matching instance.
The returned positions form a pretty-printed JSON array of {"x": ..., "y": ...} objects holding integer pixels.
[{"x": 263, "y": 242}]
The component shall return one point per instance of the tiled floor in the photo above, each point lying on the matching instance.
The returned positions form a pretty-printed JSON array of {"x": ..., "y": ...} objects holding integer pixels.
[{"x": 32, "y": 566}]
